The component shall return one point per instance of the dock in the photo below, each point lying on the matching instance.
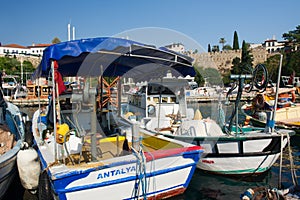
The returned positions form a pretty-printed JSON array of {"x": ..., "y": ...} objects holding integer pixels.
[
  {"x": 22, "y": 102},
  {"x": 207, "y": 99}
]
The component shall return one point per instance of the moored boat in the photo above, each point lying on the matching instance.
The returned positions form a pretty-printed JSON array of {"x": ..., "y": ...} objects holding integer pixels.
[
  {"x": 287, "y": 113},
  {"x": 11, "y": 140},
  {"x": 79, "y": 159},
  {"x": 229, "y": 149}
]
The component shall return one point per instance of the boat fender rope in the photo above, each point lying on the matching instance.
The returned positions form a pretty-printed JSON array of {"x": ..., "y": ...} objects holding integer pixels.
[{"x": 247, "y": 195}]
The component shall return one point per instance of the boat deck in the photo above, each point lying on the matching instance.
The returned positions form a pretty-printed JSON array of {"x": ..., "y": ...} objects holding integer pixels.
[{"x": 110, "y": 148}]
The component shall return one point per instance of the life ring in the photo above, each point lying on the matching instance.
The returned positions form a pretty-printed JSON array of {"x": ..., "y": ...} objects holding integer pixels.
[
  {"x": 151, "y": 109},
  {"x": 44, "y": 192}
]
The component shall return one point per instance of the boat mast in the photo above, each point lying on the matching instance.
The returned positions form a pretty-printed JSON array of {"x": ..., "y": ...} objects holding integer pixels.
[
  {"x": 272, "y": 122},
  {"x": 54, "y": 109}
]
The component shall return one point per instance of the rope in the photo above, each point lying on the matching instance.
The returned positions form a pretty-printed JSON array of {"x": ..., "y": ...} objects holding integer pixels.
[
  {"x": 280, "y": 165},
  {"x": 140, "y": 181},
  {"x": 221, "y": 115},
  {"x": 293, "y": 170}
]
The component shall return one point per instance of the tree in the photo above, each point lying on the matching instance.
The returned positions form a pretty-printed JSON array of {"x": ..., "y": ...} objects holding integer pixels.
[
  {"x": 215, "y": 48},
  {"x": 198, "y": 77},
  {"x": 211, "y": 75},
  {"x": 227, "y": 47},
  {"x": 56, "y": 40},
  {"x": 236, "y": 66},
  {"x": 235, "y": 45},
  {"x": 291, "y": 63},
  {"x": 222, "y": 41},
  {"x": 272, "y": 64},
  {"x": 209, "y": 49},
  {"x": 293, "y": 36},
  {"x": 246, "y": 57}
]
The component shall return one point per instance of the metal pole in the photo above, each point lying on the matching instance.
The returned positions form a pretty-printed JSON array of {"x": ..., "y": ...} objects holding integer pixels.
[
  {"x": 21, "y": 70},
  {"x": 54, "y": 110},
  {"x": 272, "y": 121}
]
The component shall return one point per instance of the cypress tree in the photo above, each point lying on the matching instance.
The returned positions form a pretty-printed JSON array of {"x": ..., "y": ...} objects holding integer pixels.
[
  {"x": 235, "y": 45},
  {"x": 246, "y": 58},
  {"x": 209, "y": 49}
]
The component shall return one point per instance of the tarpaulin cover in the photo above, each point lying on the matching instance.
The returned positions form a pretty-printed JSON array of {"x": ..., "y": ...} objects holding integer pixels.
[{"x": 110, "y": 56}]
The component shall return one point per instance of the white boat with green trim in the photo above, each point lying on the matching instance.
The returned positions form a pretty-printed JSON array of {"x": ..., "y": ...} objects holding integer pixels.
[{"x": 229, "y": 149}]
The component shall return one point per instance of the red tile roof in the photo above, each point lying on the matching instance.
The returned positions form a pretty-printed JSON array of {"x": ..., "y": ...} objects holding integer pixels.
[
  {"x": 39, "y": 45},
  {"x": 14, "y": 46}
]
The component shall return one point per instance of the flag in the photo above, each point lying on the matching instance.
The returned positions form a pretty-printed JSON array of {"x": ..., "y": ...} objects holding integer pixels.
[{"x": 58, "y": 79}]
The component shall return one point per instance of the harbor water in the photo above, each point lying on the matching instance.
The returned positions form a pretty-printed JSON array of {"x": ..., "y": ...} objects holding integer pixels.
[{"x": 205, "y": 186}]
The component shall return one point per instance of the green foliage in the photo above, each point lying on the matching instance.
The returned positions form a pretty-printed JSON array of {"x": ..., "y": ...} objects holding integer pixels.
[
  {"x": 198, "y": 77},
  {"x": 10, "y": 65},
  {"x": 222, "y": 41},
  {"x": 226, "y": 79},
  {"x": 272, "y": 65},
  {"x": 237, "y": 66},
  {"x": 227, "y": 47},
  {"x": 209, "y": 48},
  {"x": 235, "y": 45},
  {"x": 291, "y": 63},
  {"x": 215, "y": 48},
  {"x": 211, "y": 75},
  {"x": 13, "y": 67},
  {"x": 246, "y": 58},
  {"x": 293, "y": 36},
  {"x": 56, "y": 40}
]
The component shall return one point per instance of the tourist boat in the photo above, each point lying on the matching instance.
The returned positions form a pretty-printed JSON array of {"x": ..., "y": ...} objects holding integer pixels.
[
  {"x": 12, "y": 89},
  {"x": 229, "y": 150},
  {"x": 78, "y": 158},
  {"x": 287, "y": 111},
  {"x": 11, "y": 140}
]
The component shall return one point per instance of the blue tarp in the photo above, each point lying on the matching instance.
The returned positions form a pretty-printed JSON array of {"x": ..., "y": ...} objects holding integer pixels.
[{"x": 109, "y": 56}]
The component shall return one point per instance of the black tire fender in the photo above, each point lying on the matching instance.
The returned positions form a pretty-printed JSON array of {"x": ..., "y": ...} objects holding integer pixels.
[{"x": 44, "y": 190}]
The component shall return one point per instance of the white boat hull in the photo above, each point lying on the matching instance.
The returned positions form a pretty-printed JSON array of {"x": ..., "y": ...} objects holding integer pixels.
[
  {"x": 238, "y": 165},
  {"x": 253, "y": 152},
  {"x": 165, "y": 176},
  {"x": 8, "y": 169},
  {"x": 168, "y": 173},
  {"x": 8, "y": 164}
]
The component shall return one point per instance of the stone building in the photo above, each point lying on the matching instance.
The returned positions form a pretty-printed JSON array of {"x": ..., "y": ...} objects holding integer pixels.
[
  {"x": 223, "y": 60},
  {"x": 31, "y": 53}
]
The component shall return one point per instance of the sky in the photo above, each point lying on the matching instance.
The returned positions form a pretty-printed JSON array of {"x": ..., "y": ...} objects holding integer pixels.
[{"x": 195, "y": 23}]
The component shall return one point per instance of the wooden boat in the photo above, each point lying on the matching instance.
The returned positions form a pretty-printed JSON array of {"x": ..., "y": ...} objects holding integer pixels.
[
  {"x": 229, "y": 150},
  {"x": 11, "y": 141},
  {"x": 78, "y": 158},
  {"x": 287, "y": 111}
]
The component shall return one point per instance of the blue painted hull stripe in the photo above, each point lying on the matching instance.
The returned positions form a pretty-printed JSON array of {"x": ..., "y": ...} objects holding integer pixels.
[
  {"x": 118, "y": 181},
  {"x": 161, "y": 191}
]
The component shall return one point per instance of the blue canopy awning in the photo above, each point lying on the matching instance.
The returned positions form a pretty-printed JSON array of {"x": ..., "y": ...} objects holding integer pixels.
[{"x": 109, "y": 56}]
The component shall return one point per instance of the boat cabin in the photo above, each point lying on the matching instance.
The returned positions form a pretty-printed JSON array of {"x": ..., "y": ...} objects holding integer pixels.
[{"x": 158, "y": 98}]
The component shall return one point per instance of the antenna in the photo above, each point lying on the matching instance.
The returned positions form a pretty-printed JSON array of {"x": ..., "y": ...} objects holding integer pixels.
[
  {"x": 73, "y": 33},
  {"x": 69, "y": 32}
]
